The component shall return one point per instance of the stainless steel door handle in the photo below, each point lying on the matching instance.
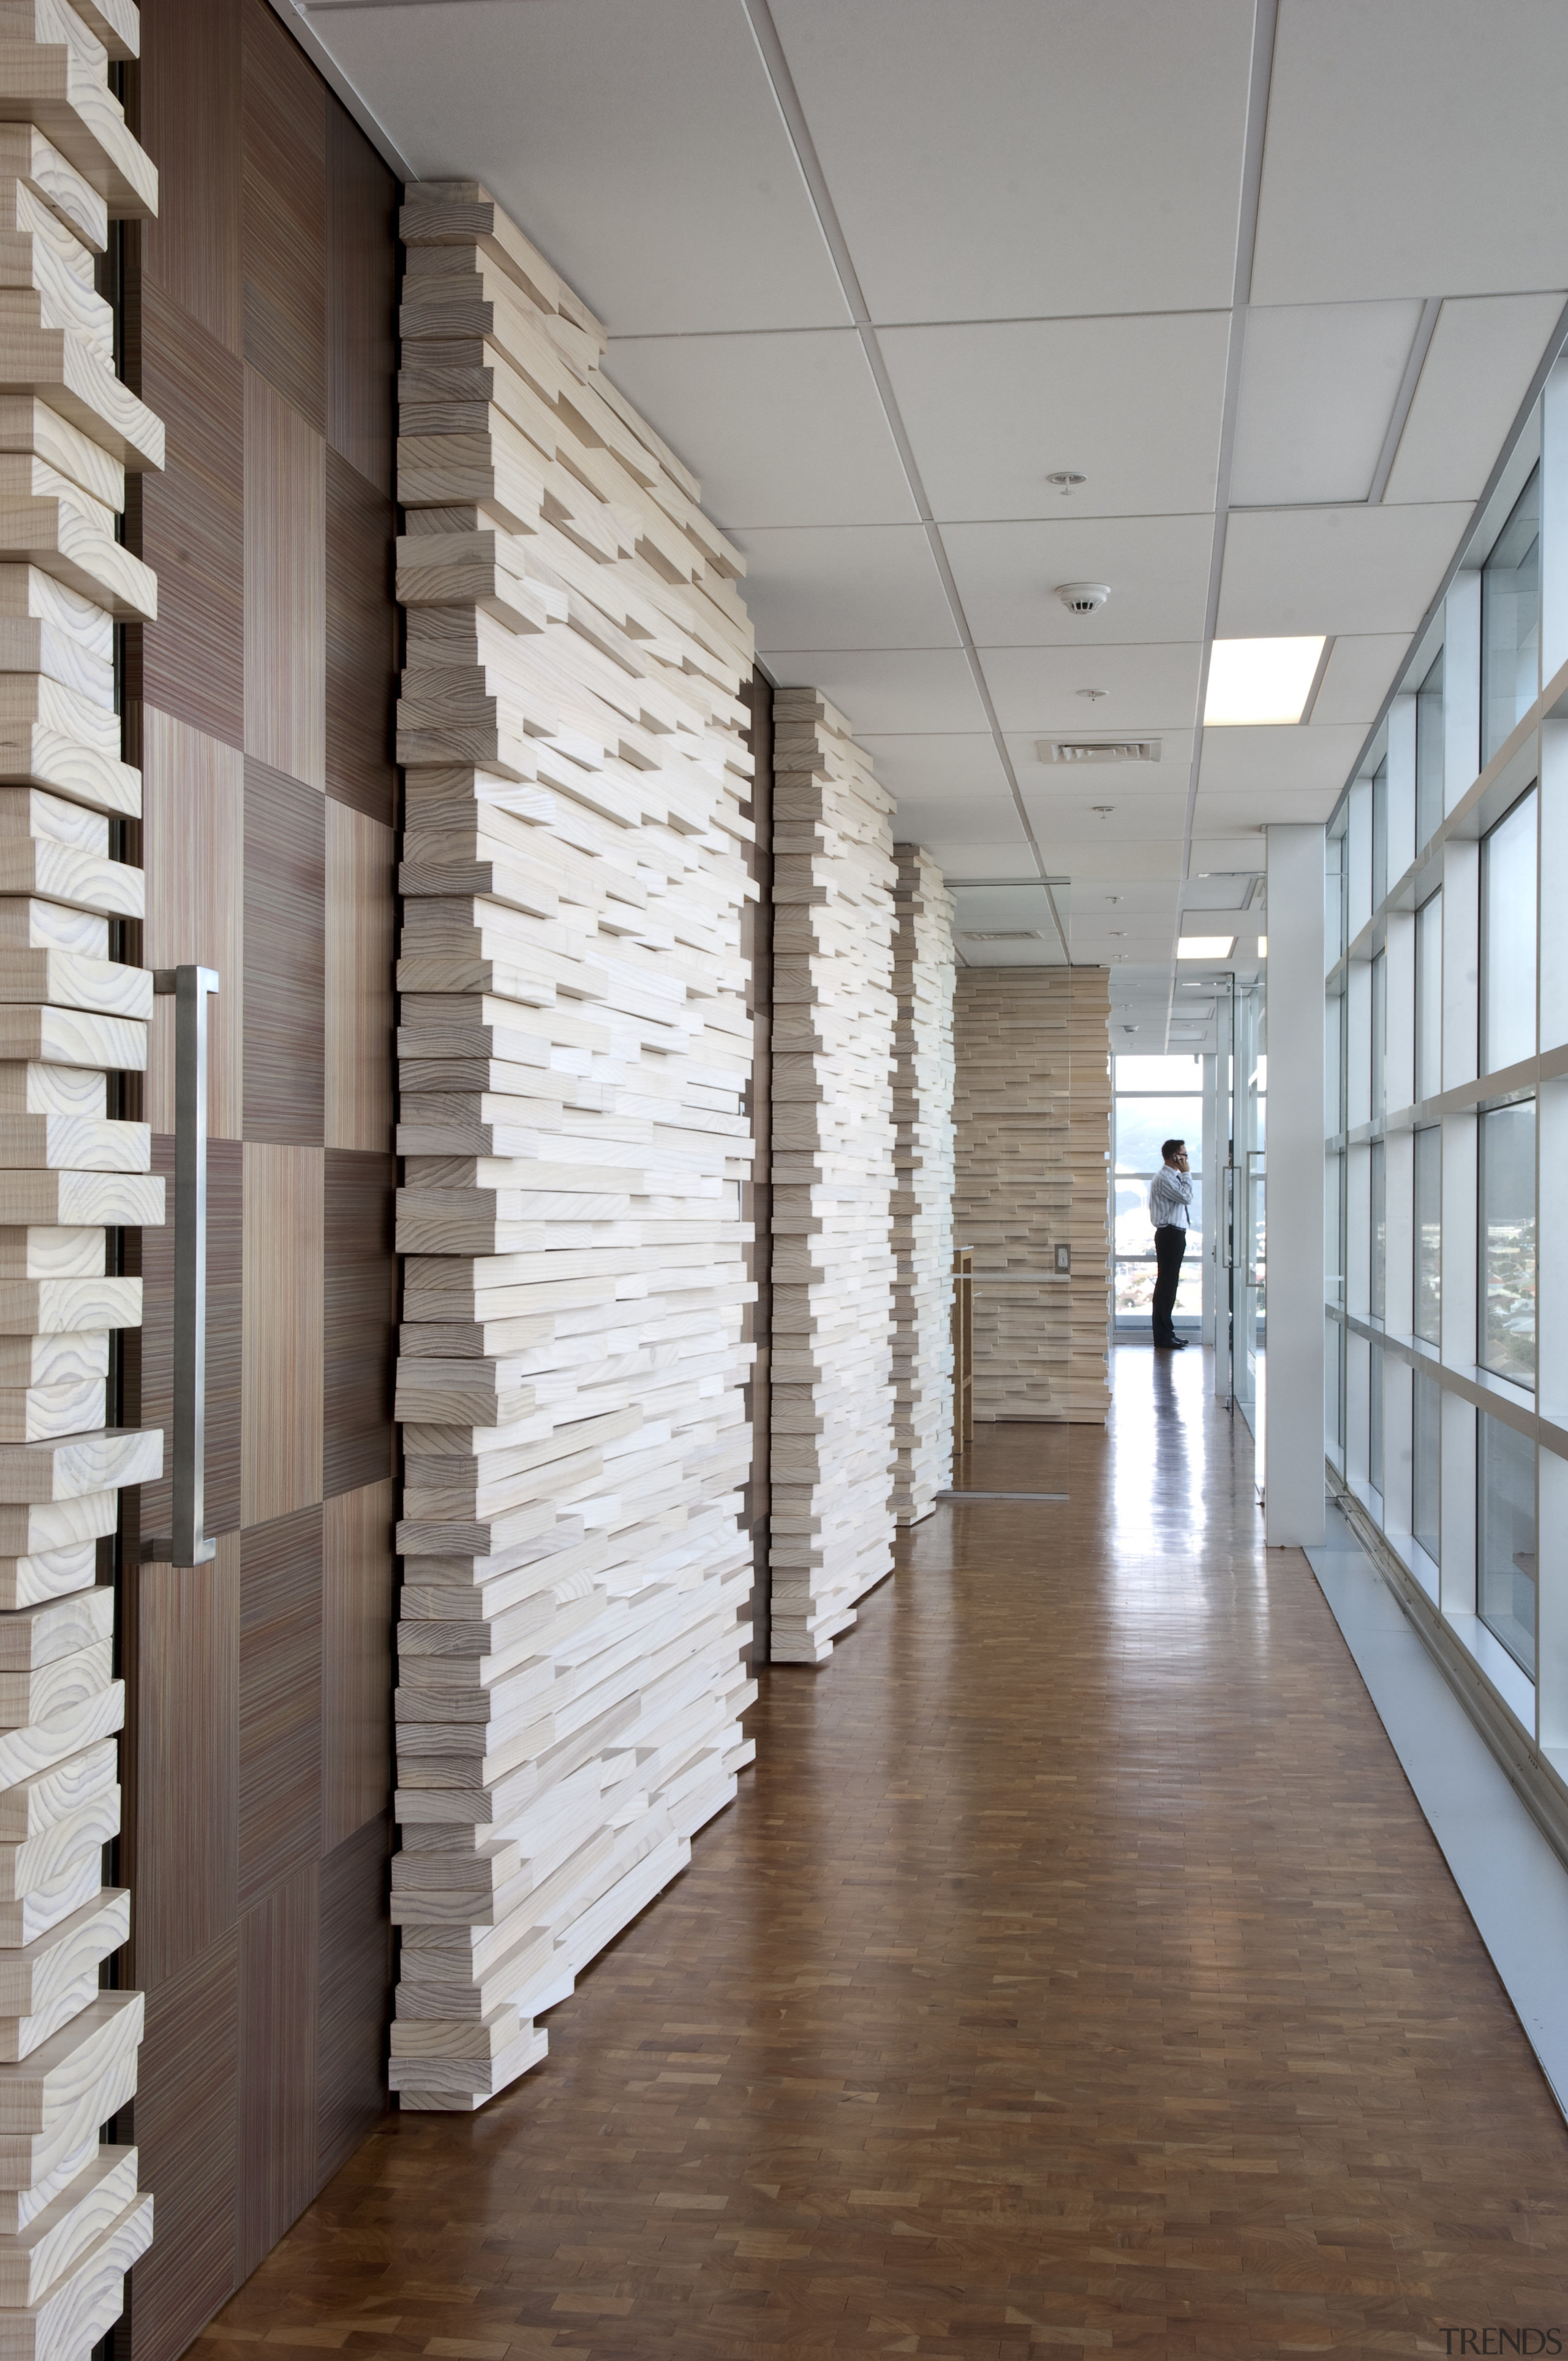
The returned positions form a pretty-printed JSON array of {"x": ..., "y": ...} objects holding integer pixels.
[{"x": 189, "y": 1544}]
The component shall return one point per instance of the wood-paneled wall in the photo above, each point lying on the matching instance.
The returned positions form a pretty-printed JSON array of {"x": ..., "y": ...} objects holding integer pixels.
[
  {"x": 1032, "y": 1054},
  {"x": 924, "y": 974},
  {"x": 259, "y": 318},
  {"x": 832, "y": 1521}
]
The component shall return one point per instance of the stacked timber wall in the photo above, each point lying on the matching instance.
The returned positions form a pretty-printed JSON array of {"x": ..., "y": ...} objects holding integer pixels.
[
  {"x": 833, "y": 1171},
  {"x": 574, "y": 1050},
  {"x": 923, "y": 983},
  {"x": 1033, "y": 1114},
  {"x": 73, "y": 1173}
]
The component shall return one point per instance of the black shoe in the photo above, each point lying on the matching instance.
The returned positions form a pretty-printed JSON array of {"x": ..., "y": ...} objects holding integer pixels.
[{"x": 1170, "y": 1344}]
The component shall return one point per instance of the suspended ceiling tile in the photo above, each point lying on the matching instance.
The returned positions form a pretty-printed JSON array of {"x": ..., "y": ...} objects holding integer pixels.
[
  {"x": 1476, "y": 373},
  {"x": 1246, "y": 851},
  {"x": 1143, "y": 902},
  {"x": 1415, "y": 147},
  {"x": 1360, "y": 673},
  {"x": 1318, "y": 384},
  {"x": 1265, "y": 761},
  {"x": 1132, "y": 404},
  {"x": 935, "y": 765},
  {"x": 640, "y": 147},
  {"x": 1217, "y": 813},
  {"x": 1157, "y": 569},
  {"x": 1356, "y": 570},
  {"x": 1149, "y": 687},
  {"x": 843, "y": 586},
  {"x": 783, "y": 430},
  {"x": 966, "y": 856},
  {"x": 1112, "y": 862},
  {"x": 1017, "y": 161},
  {"x": 902, "y": 689}
]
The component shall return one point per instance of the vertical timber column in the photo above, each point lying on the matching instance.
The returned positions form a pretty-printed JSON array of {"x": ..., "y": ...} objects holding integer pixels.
[
  {"x": 833, "y": 1174},
  {"x": 73, "y": 1021},
  {"x": 573, "y": 1055},
  {"x": 923, "y": 980},
  {"x": 1293, "y": 1473}
]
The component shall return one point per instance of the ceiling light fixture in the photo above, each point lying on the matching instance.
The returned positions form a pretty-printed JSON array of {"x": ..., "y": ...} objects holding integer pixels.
[
  {"x": 1205, "y": 947},
  {"x": 1093, "y": 695},
  {"x": 1067, "y": 480},
  {"x": 1082, "y": 598},
  {"x": 1253, "y": 683}
]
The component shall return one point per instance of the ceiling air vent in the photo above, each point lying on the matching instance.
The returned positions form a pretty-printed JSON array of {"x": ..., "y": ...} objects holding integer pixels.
[
  {"x": 1098, "y": 750},
  {"x": 1002, "y": 934}
]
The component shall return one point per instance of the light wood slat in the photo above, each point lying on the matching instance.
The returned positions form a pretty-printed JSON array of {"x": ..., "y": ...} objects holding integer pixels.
[
  {"x": 37, "y": 1635},
  {"x": 83, "y": 2303},
  {"x": 27, "y": 156},
  {"x": 832, "y": 1518},
  {"x": 924, "y": 975},
  {"x": 85, "y": 2210},
  {"x": 572, "y": 1050},
  {"x": 70, "y": 2224}
]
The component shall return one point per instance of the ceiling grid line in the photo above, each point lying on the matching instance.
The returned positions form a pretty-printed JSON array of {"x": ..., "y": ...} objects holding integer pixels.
[
  {"x": 1266, "y": 17},
  {"x": 759, "y": 17}
]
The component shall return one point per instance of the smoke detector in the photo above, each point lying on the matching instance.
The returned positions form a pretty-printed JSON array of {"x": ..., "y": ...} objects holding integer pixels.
[{"x": 1082, "y": 598}]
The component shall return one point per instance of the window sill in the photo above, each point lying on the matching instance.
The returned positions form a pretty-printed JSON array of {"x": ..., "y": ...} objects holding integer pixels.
[{"x": 1503, "y": 1676}]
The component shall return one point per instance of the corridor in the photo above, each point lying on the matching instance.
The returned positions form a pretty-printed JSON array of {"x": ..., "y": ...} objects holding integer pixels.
[{"x": 1075, "y": 1970}]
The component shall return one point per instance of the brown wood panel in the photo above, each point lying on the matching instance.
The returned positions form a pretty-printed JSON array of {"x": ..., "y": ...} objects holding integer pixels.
[
  {"x": 361, "y": 1319},
  {"x": 277, "y": 1948},
  {"x": 180, "y": 1855},
  {"x": 280, "y": 1411},
  {"x": 362, "y": 632},
  {"x": 362, "y": 301},
  {"x": 283, "y": 214},
  {"x": 187, "y": 2127},
  {"x": 193, "y": 852},
  {"x": 280, "y": 1700},
  {"x": 355, "y": 2007},
  {"x": 226, "y": 1288},
  {"x": 188, "y": 89},
  {"x": 1155, "y": 2023},
  {"x": 149, "y": 1356},
  {"x": 360, "y": 873},
  {"x": 357, "y": 1585},
  {"x": 285, "y": 586},
  {"x": 188, "y": 522},
  {"x": 285, "y": 958}
]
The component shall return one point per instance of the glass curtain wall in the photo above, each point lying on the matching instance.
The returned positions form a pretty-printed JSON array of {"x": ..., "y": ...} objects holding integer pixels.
[
  {"x": 1446, "y": 1114},
  {"x": 1156, "y": 1099}
]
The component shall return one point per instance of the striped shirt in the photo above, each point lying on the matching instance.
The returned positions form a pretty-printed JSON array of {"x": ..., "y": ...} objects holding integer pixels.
[{"x": 1170, "y": 1194}]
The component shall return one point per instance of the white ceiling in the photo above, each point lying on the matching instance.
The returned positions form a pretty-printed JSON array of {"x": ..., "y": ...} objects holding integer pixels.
[{"x": 877, "y": 268}]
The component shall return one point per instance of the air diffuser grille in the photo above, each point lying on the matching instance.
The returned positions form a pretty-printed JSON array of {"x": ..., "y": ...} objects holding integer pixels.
[{"x": 1098, "y": 750}]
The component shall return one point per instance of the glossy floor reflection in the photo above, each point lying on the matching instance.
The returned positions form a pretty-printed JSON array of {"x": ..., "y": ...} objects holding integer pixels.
[{"x": 1075, "y": 1970}]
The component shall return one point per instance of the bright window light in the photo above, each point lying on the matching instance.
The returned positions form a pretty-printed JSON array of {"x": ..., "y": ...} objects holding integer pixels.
[
  {"x": 1263, "y": 947},
  {"x": 1208, "y": 947},
  {"x": 1252, "y": 682}
]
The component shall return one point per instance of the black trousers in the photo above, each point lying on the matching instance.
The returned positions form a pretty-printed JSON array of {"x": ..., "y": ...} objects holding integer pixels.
[{"x": 1170, "y": 1246}]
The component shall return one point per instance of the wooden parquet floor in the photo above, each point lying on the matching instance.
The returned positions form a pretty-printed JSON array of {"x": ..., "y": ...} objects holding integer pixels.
[{"x": 1076, "y": 1971}]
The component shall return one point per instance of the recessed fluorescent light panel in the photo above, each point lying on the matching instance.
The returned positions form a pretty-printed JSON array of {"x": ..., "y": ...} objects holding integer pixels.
[
  {"x": 1254, "y": 682},
  {"x": 1208, "y": 947}
]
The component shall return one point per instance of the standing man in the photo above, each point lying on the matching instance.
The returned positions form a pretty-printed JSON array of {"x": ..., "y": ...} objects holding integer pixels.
[{"x": 1171, "y": 1196}]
